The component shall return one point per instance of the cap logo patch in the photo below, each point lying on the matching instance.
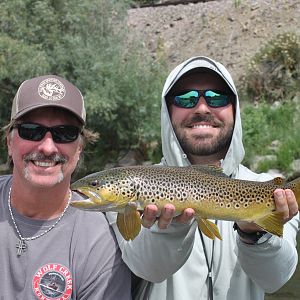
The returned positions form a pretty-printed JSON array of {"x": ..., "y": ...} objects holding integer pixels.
[
  {"x": 52, "y": 281},
  {"x": 51, "y": 89}
]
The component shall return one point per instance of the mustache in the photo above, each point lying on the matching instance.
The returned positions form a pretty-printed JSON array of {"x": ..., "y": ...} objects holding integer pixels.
[
  {"x": 203, "y": 118},
  {"x": 58, "y": 158}
]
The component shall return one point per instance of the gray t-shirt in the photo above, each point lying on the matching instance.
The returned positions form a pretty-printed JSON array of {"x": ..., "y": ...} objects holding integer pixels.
[{"x": 78, "y": 259}]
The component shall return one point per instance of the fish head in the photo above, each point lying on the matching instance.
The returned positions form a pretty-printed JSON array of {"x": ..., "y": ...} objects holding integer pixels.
[{"x": 103, "y": 191}]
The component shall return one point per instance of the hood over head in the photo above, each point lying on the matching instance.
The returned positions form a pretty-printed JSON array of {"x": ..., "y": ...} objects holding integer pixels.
[{"x": 173, "y": 154}]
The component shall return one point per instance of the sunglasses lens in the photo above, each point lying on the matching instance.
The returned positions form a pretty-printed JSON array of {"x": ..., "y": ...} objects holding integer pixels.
[
  {"x": 36, "y": 132},
  {"x": 65, "y": 133},
  {"x": 187, "y": 100},
  {"x": 215, "y": 99},
  {"x": 31, "y": 132}
]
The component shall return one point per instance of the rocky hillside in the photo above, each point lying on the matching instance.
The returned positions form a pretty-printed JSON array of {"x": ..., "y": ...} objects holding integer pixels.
[{"x": 230, "y": 31}]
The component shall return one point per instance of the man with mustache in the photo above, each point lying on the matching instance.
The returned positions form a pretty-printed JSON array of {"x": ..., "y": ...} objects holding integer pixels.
[
  {"x": 201, "y": 125},
  {"x": 50, "y": 250}
]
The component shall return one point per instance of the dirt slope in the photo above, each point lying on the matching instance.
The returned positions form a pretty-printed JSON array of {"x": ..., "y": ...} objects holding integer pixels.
[{"x": 230, "y": 31}]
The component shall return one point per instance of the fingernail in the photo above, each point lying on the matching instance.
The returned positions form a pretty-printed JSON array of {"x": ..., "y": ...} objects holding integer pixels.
[
  {"x": 189, "y": 214},
  {"x": 168, "y": 212},
  {"x": 279, "y": 193}
]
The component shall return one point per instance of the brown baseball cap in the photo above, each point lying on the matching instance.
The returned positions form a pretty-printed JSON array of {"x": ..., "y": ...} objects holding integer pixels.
[{"x": 46, "y": 91}]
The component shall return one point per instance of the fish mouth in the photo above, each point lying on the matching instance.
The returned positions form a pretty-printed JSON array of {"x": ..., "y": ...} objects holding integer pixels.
[
  {"x": 84, "y": 205},
  {"x": 91, "y": 201},
  {"x": 87, "y": 201}
]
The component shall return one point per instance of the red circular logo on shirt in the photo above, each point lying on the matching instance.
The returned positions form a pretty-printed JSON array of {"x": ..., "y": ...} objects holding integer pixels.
[{"x": 52, "y": 281}]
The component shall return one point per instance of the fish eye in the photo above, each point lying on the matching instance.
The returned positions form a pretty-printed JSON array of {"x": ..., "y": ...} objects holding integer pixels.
[{"x": 94, "y": 183}]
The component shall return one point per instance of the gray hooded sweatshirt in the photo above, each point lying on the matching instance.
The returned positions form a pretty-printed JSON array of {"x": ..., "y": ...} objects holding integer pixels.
[{"x": 174, "y": 259}]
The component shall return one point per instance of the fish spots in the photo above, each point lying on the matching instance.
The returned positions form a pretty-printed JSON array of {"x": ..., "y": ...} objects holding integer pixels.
[
  {"x": 242, "y": 199},
  {"x": 185, "y": 187}
]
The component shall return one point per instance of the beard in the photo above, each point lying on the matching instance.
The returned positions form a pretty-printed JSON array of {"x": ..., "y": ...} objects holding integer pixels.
[{"x": 205, "y": 144}]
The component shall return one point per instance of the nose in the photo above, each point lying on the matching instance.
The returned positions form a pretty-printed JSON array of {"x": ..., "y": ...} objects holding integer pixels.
[
  {"x": 202, "y": 106},
  {"x": 47, "y": 145}
]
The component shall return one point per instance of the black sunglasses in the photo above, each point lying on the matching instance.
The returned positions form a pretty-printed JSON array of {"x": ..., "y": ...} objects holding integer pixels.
[
  {"x": 190, "y": 98},
  {"x": 60, "y": 134}
]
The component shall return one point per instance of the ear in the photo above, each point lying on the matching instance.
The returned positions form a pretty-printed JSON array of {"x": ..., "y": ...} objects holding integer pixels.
[
  {"x": 79, "y": 150},
  {"x": 9, "y": 144}
]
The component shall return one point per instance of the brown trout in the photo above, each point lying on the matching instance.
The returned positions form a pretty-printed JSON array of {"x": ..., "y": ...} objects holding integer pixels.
[{"x": 212, "y": 195}]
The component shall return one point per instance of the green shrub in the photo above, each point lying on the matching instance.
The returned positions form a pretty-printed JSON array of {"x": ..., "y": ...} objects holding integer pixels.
[
  {"x": 264, "y": 124},
  {"x": 273, "y": 73},
  {"x": 86, "y": 42}
]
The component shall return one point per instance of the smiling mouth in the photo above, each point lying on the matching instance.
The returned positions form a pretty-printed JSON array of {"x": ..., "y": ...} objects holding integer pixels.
[
  {"x": 44, "y": 164},
  {"x": 201, "y": 126}
]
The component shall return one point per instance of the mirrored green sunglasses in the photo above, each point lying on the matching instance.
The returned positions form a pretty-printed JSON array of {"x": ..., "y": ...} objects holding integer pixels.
[{"x": 190, "y": 98}]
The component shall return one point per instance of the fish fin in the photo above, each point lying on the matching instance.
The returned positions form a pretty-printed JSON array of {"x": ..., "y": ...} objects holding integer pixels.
[
  {"x": 272, "y": 223},
  {"x": 209, "y": 169},
  {"x": 278, "y": 181},
  {"x": 129, "y": 223},
  {"x": 209, "y": 228}
]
